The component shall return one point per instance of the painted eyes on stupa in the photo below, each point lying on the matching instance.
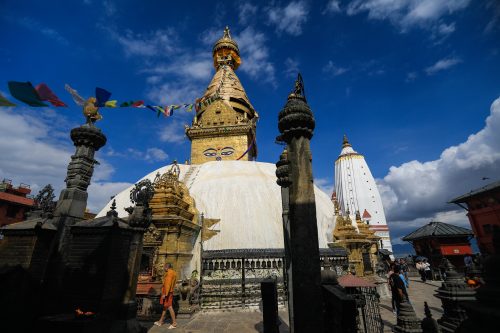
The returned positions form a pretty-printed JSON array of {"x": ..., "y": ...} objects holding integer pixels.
[{"x": 212, "y": 152}]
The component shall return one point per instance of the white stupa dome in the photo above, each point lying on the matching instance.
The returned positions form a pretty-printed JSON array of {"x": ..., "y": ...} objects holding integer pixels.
[{"x": 245, "y": 197}]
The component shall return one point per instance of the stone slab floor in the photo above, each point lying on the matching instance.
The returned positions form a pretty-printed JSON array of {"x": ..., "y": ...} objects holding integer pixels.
[{"x": 250, "y": 321}]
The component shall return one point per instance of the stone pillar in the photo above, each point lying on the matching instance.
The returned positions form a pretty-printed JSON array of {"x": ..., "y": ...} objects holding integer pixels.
[
  {"x": 407, "y": 320},
  {"x": 452, "y": 292},
  {"x": 73, "y": 199},
  {"x": 283, "y": 174},
  {"x": 296, "y": 125},
  {"x": 139, "y": 220}
]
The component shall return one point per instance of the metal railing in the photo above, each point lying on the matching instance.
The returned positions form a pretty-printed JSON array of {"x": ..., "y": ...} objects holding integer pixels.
[{"x": 367, "y": 302}]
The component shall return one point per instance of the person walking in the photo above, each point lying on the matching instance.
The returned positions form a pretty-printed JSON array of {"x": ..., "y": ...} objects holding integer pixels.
[
  {"x": 421, "y": 271},
  {"x": 167, "y": 296},
  {"x": 398, "y": 289}
]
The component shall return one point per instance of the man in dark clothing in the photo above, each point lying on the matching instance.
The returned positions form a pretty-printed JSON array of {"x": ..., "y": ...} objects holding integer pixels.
[{"x": 399, "y": 293}]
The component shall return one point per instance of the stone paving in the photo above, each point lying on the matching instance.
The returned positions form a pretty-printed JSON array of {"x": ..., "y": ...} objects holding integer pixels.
[{"x": 250, "y": 321}]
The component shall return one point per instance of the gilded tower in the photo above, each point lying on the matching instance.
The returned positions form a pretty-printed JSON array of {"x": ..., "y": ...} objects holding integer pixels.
[{"x": 225, "y": 122}]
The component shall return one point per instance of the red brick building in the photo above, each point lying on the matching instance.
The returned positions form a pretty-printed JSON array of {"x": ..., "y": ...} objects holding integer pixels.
[
  {"x": 438, "y": 240},
  {"x": 13, "y": 202},
  {"x": 483, "y": 210}
]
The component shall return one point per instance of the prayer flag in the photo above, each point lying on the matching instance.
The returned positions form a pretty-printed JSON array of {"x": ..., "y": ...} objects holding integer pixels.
[
  {"x": 5, "y": 102},
  {"x": 111, "y": 104},
  {"x": 102, "y": 96},
  {"x": 46, "y": 94},
  {"x": 189, "y": 107},
  {"x": 126, "y": 104},
  {"x": 138, "y": 104},
  {"x": 79, "y": 100},
  {"x": 175, "y": 107},
  {"x": 26, "y": 93}
]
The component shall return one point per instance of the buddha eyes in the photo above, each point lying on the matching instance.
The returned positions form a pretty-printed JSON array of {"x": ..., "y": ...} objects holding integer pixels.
[{"x": 212, "y": 152}]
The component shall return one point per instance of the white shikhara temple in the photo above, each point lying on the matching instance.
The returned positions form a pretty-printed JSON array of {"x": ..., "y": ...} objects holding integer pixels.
[{"x": 357, "y": 191}]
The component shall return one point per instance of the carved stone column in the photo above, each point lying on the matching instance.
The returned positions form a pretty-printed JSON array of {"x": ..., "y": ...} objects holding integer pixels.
[
  {"x": 73, "y": 199},
  {"x": 452, "y": 292},
  {"x": 283, "y": 175},
  {"x": 296, "y": 125}
]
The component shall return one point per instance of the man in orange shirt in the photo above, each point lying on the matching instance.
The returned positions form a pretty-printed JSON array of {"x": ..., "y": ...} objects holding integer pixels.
[{"x": 167, "y": 296}]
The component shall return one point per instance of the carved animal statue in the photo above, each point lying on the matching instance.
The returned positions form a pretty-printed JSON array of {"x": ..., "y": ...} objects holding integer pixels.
[{"x": 90, "y": 111}]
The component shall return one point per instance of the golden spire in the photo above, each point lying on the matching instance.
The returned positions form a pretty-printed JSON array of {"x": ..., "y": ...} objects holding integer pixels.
[
  {"x": 226, "y": 51},
  {"x": 345, "y": 142}
]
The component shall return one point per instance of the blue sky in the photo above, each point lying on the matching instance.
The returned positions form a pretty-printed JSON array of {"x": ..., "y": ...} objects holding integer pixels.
[{"x": 410, "y": 82}]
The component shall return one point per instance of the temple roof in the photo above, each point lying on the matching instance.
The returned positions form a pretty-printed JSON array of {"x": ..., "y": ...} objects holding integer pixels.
[
  {"x": 490, "y": 187},
  {"x": 366, "y": 215},
  {"x": 227, "y": 86},
  {"x": 438, "y": 229}
]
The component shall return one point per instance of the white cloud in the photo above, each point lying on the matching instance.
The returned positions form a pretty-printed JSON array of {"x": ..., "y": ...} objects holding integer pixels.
[
  {"x": 325, "y": 184},
  {"x": 412, "y": 76},
  {"x": 255, "y": 55},
  {"x": 247, "y": 12},
  {"x": 332, "y": 7},
  {"x": 442, "y": 64},
  {"x": 446, "y": 29},
  {"x": 198, "y": 67},
  {"x": 32, "y": 154},
  {"x": 334, "y": 70},
  {"x": 176, "y": 93},
  {"x": 173, "y": 132},
  {"x": 101, "y": 192},
  {"x": 291, "y": 67},
  {"x": 157, "y": 43},
  {"x": 290, "y": 18},
  {"x": 407, "y": 14},
  {"x": 36, "y": 26},
  {"x": 422, "y": 189},
  {"x": 150, "y": 155}
]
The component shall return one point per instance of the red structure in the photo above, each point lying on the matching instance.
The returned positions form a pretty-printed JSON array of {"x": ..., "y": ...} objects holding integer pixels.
[
  {"x": 483, "y": 211},
  {"x": 437, "y": 240},
  {"x": 13, "y": 202}
]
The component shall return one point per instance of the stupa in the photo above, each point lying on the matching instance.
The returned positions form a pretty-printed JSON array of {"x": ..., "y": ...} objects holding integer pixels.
[{"x": 239, "y": 238}]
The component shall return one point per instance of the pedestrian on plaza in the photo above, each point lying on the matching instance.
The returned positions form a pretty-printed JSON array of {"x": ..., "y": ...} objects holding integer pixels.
[
  {"x": 398, "y": 289},
  {"x": 404, "y": 271},
  {"x": 421, "y": 271},
  {"x": 468, "y": 263},
  {"x": 389, "y": 282},
  {"x": 167, "y": 296},
  {"x": 427, "y": 270}
]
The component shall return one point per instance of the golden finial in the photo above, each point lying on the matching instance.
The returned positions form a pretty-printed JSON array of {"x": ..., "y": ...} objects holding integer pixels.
[
  {"x": 226, "y": 51},
  {"x": 298, "y": 89},
  {"x": 345, "y": 142},
  {"x": 226, "y": 33}
]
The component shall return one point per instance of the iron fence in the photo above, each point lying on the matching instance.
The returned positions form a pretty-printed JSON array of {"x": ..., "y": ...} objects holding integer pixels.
[{"x": 367, "y": 302}]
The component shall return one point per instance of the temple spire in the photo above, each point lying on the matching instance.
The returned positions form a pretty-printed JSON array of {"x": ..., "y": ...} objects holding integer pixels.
[{"x": 345, "y": 142}]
